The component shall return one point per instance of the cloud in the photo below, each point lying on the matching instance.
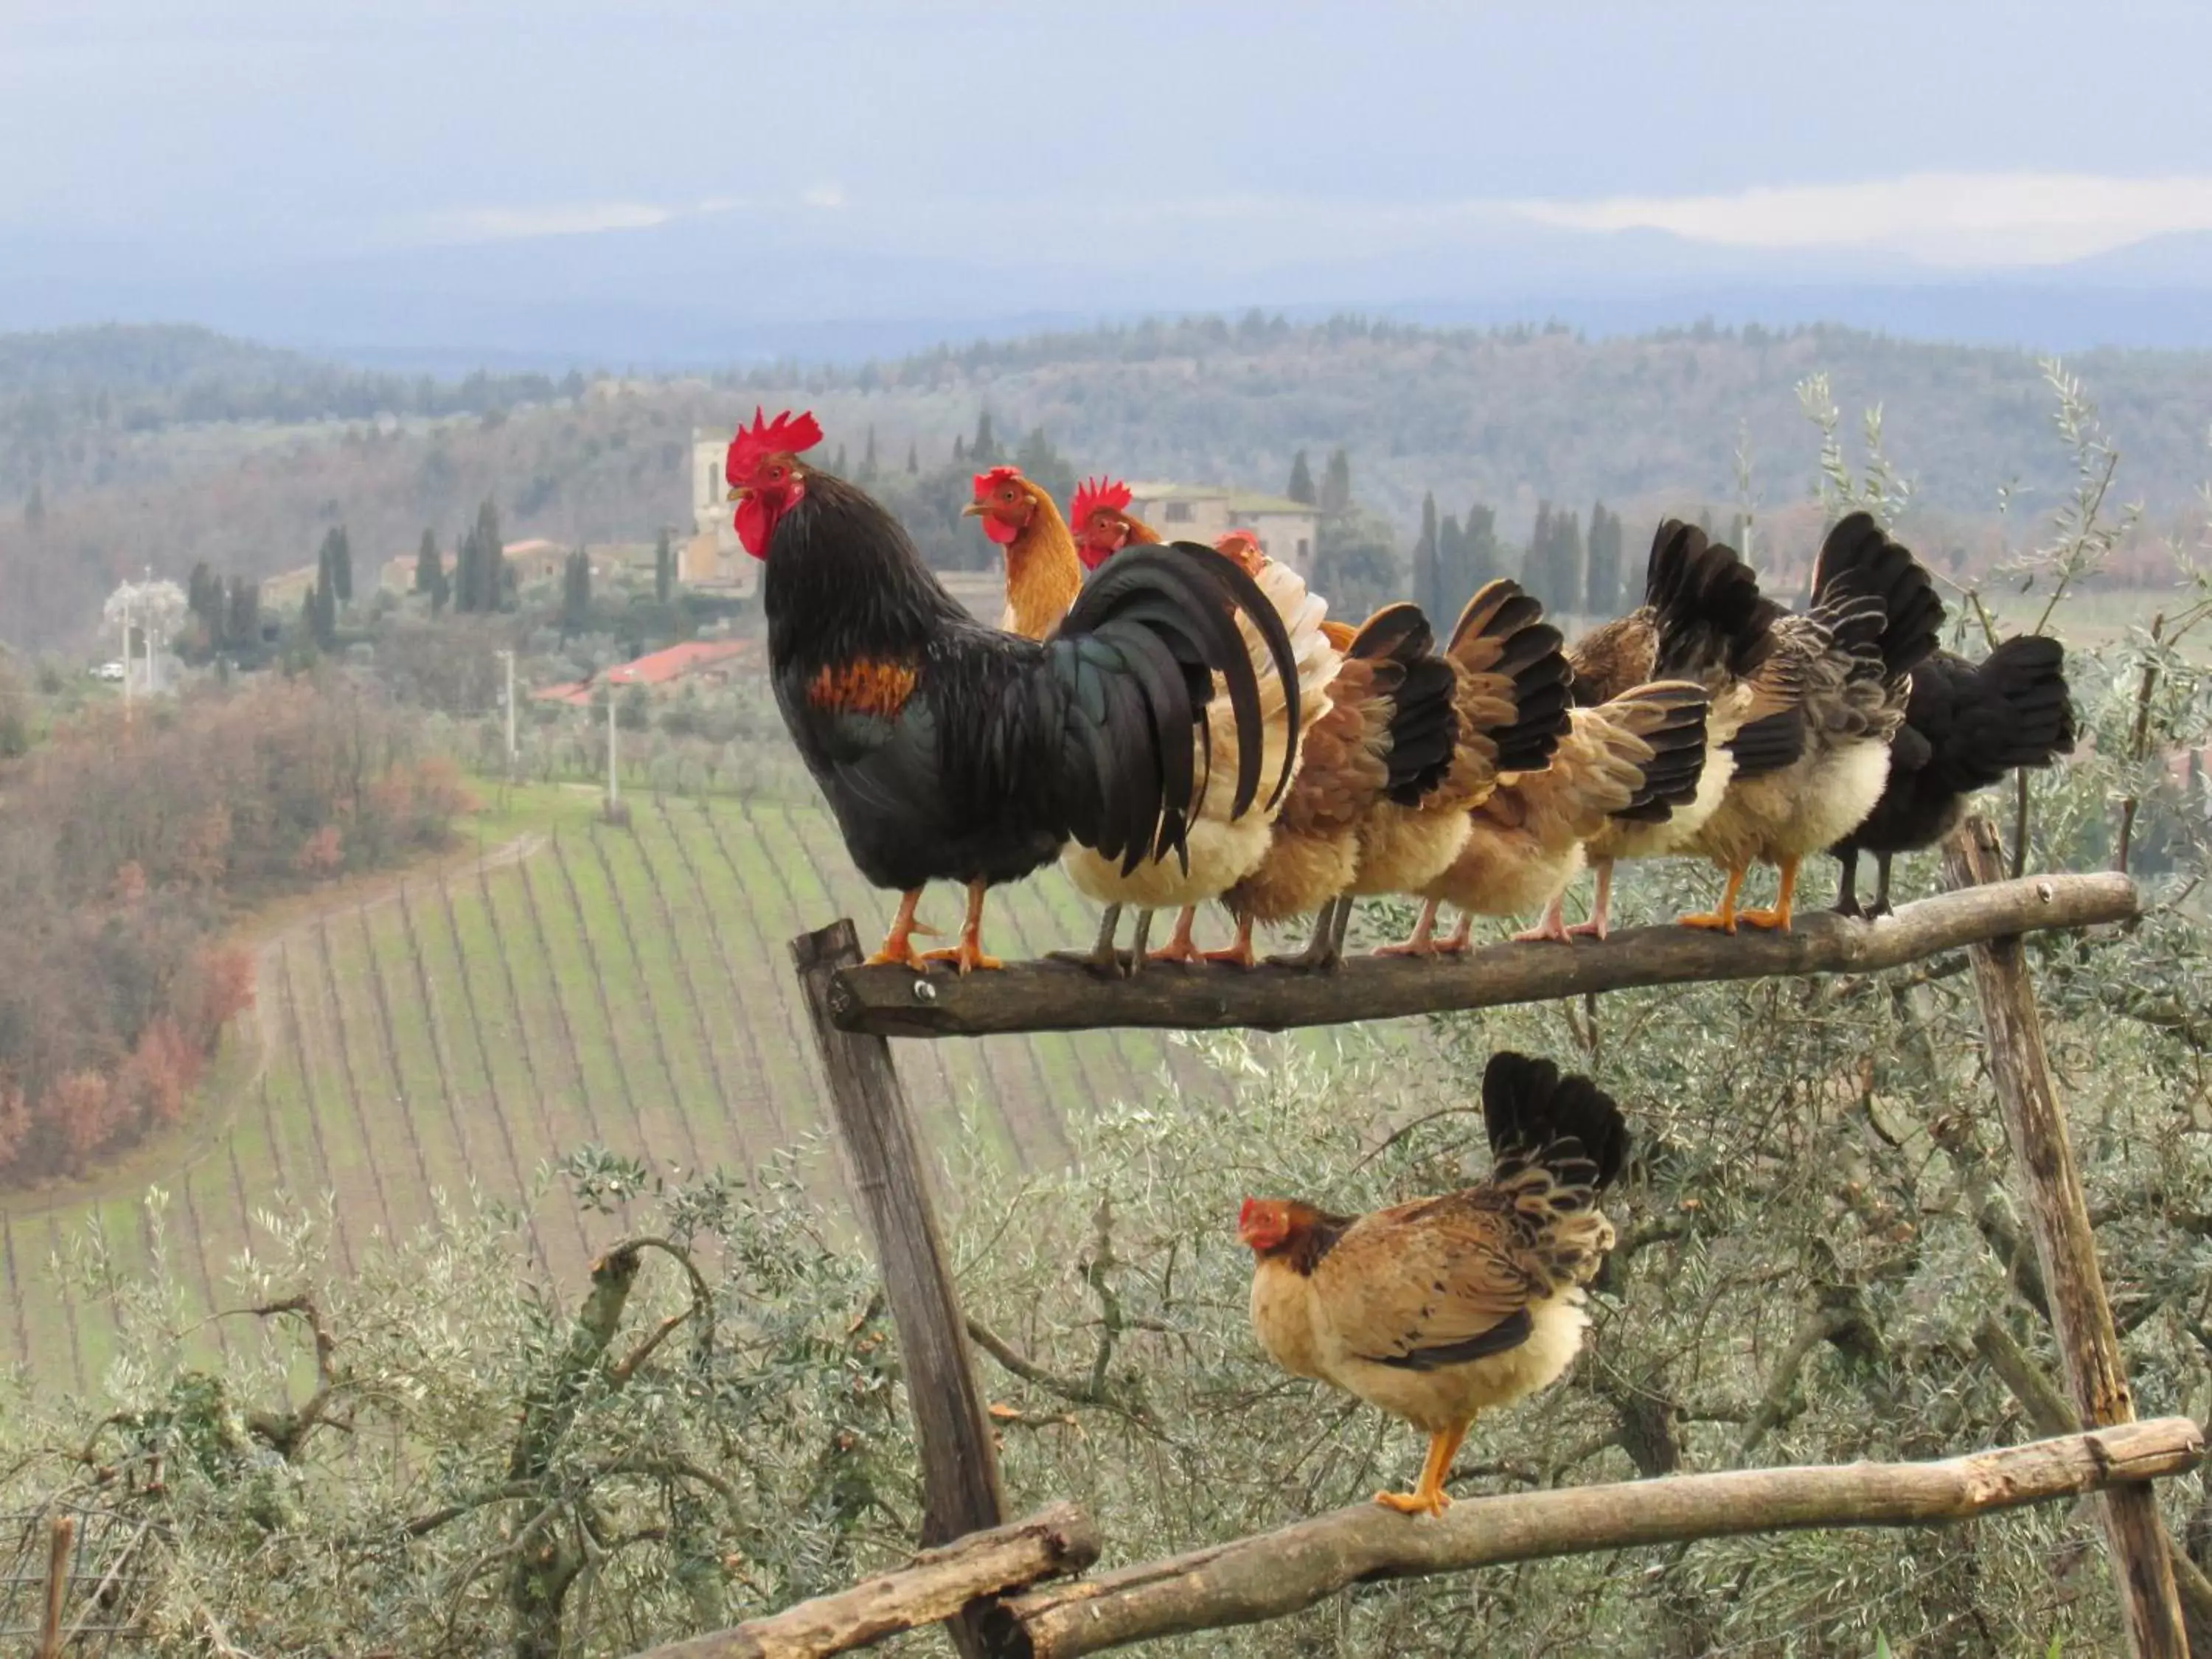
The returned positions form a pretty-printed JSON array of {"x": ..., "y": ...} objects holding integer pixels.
[
  {"x": 515, "y": 224},
  {"x": 1958, "y": 219},
  {"x": 508, "y": 224}
]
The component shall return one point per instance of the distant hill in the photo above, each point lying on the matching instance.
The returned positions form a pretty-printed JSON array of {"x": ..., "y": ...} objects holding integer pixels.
[
  {"x": 1507, "y": 416},
  {"x": 129, "y": 360}
]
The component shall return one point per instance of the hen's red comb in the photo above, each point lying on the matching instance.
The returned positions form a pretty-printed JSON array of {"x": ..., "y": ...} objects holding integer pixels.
[
  {"x": 1097, "y": 493},
  {"x": 997, "y": 475},
  {"x": 1244, "y": 1216},
  {"x": 787, "y": 434},
  {"x": 1221, "y": 542}
]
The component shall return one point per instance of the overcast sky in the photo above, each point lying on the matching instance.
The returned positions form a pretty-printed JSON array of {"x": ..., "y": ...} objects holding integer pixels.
[{"x": 1960, "y": 133}]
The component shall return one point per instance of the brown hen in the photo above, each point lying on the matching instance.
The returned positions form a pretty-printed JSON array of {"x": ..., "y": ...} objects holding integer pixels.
[{"x": 1444, "y": 1307}]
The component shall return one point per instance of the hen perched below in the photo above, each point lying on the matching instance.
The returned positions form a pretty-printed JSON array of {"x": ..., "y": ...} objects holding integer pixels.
[
  {"x": 1043, "y": 571},
  {"x": 1442, "y": 1307},
  {"x": 1966, "y": 725},
  {"x": 949, "y": 751},
  {"x": 1874, "y": 617}
]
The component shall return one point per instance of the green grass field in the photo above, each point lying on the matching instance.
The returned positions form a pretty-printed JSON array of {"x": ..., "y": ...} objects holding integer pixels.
[{"x": 561, "y": 984}]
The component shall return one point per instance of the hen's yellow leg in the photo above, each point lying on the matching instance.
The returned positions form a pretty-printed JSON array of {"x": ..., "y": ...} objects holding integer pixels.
[
  {"x": 1240, "y": 953},
  {"x": 1553, "y": 925},
  {"x": 1779, "y": 917},
  {"x": 898, "y": 944},
  {"x": 968, "y": 956},
  {"x": 1722, "y": 920},
  {"x": 1181, "y": 947},
  {"x": 1596, "y": 925},
  {"x": 1428, "y": 1498},
  {"x": 1421, "y": 942}
]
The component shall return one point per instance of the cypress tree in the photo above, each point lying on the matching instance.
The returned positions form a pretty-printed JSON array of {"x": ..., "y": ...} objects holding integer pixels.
[
  {"x": 1336, "y": 485},
  {"x": 204, "y": 600},
  {"x": 342, "y": 566},
  {"x": 495, "y": 581},
  {"x": 466, "y": 582},
  {"x": 913, "y": 460},
  {"x": 1566, "y": 590},
  {"x": 664, "y": 564},
  {"x": 1452, "y": 590},
  {"x": 429, "y": 569},
  {"x": 241, "y": 622},
  {"x": 984, "y": 452},
  {"x": 868, "y": 455},
  {"x": 1484, "y": 559},
  {"x": 1602, "y": 582},
  {"x": 1301, "y": 488},
  {"x": 575, "y": 592},
  {"x": 1428, "y": 578}
]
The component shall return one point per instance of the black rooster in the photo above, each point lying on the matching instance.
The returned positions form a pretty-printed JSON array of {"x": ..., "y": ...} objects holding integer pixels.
[
  {"x": 1966, "y": 725},
  {"x": 951, "y": 751}
]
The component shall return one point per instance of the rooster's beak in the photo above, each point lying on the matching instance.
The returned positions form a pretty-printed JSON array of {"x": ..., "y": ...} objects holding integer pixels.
[
  {"x": 740, "y": 493},
  {"x": 973, "y": 510}
]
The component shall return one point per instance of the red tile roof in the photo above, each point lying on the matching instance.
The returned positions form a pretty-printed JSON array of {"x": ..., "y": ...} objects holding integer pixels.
[{"x": 676, "y": 662}]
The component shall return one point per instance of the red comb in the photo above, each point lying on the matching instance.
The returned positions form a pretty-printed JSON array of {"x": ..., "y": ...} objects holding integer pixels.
[
  {"x": 1221, "y": 542},
  {"x": 997, "y": 475},
  {"x": 1095, "y": 493},
  {"x": 787, "y": 434},
  {"x": 1244, "y": 1216}
]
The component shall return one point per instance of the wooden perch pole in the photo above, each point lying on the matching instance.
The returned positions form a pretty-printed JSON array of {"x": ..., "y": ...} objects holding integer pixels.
[
  {"x": 959, "y": 1460},
  {"x": 2065, "y": 1249},
  {"x": 1280, "y": 1572},
  {"x": 59, "y": 1539},
  {"x": 935, "y": 1586},
  {"x": 1052, "y": 996}
]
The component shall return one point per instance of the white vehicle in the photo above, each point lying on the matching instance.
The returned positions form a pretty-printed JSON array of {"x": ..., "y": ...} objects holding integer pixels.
[{"x": 109, "y": 671}]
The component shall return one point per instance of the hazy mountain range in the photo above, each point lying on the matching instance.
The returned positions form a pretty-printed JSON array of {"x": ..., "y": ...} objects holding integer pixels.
[{"x": 721, "y": 286}]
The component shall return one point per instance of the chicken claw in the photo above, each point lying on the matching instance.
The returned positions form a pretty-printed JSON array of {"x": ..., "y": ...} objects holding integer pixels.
[
  {"x": 1415, "y": 1503},
  {"x": 1181, "y": 947},
  {"x": 898, "y": 950},
  {"x": 1422, "y": 941},
  {"x": 1778, "y": 918},
  {"x": 1101, "y": 958},
  {"x": 1238, "y": 954},
  {"x": 1723, "y": 919},
  {"x": 1429, "y": 1496},
  {"x": 1326, "y": 945},
  {"x": 967, "y": 956}
]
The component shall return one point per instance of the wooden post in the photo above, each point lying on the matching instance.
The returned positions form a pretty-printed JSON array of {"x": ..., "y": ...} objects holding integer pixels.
[
  {"x": 2082, "y": 1317},
  {"x": 63, "y": 1534},
  {"x": 959, "y": 1460}
]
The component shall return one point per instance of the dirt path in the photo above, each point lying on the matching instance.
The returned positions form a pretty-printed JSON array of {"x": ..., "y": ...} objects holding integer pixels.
[{"x": 165, "y": 1159}]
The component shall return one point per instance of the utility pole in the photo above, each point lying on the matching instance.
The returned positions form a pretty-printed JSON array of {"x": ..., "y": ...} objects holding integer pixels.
[
  {"x": 614, "y": 773},
  {"x": 509, "y": 656}
]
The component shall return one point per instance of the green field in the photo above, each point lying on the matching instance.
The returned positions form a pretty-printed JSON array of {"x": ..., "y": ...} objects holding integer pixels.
[{"x": 566, "y": 984}]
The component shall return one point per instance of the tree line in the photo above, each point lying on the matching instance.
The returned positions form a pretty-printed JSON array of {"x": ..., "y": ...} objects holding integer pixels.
[{"x": 131, "y": 840}]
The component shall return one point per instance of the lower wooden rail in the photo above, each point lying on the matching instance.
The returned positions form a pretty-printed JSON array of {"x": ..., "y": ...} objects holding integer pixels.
[{"x": 1274, "y": 1573}]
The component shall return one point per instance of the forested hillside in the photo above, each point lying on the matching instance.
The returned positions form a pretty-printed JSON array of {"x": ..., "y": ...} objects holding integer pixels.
[{"x": 171, "y": 450}]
